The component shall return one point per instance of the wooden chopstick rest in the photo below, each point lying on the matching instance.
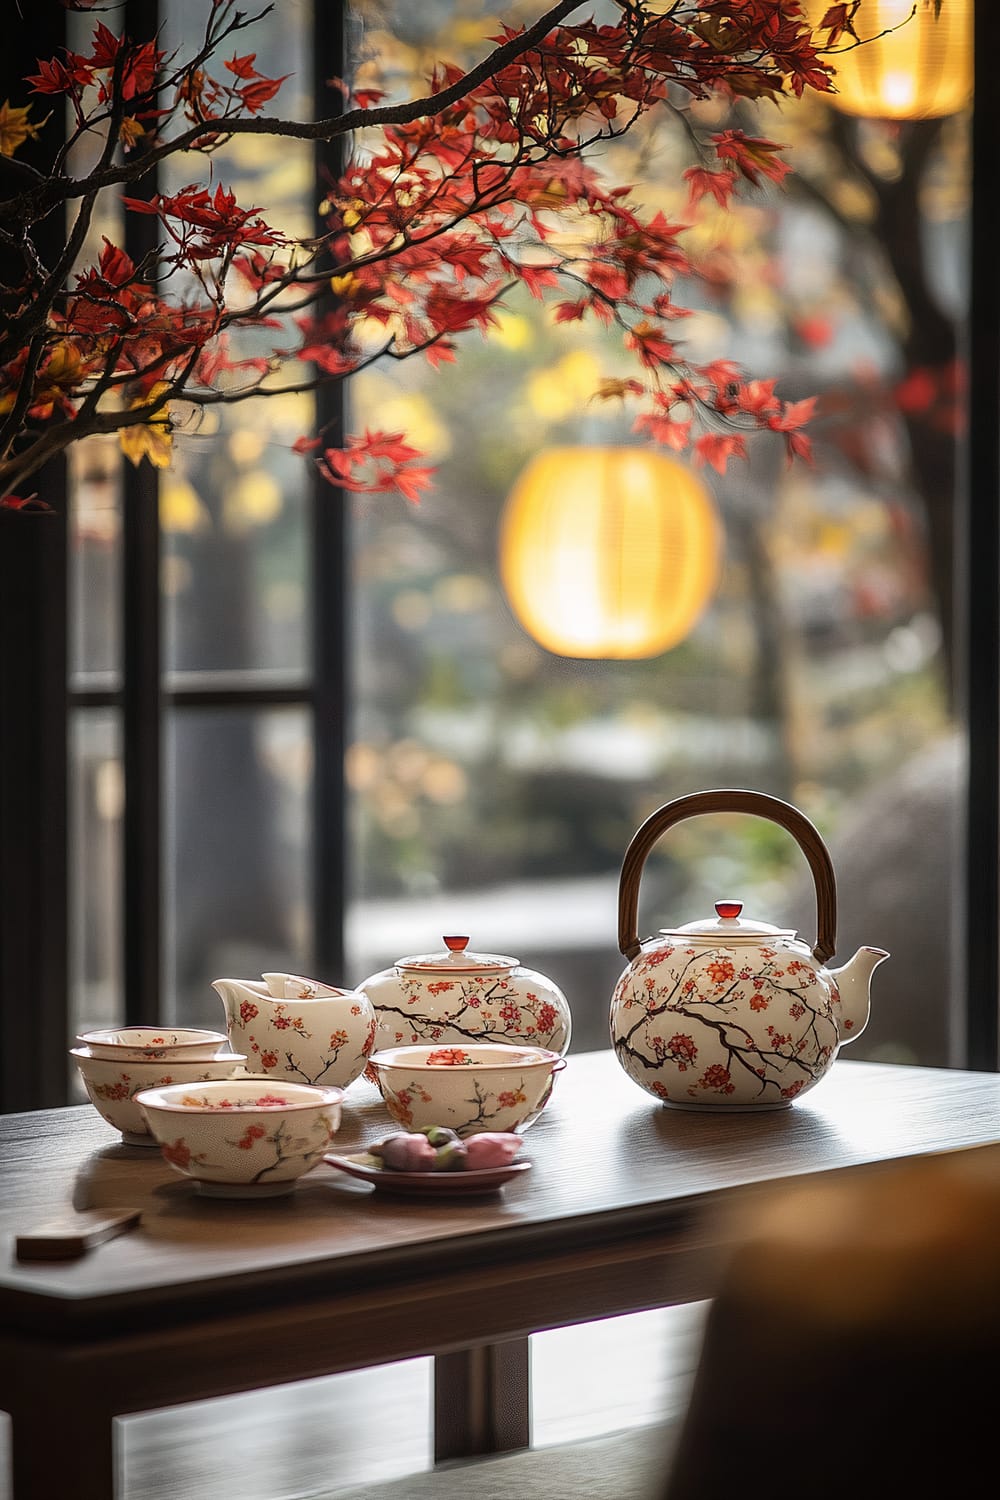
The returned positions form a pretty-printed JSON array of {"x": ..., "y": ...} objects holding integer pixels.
[{"x": 71, "y": 1235}]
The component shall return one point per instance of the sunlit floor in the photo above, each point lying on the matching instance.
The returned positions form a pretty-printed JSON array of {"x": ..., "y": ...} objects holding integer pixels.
[{"x": 302, "y": 1442}]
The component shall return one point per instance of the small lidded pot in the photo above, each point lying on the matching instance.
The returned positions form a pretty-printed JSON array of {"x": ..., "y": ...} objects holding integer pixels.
[{"x": 456, "y": 996}]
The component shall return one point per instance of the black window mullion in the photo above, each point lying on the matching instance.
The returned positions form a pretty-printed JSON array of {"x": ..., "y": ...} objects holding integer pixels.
[
  {"x": 330, "y": 580},
  {"x": 141, "y": 673},
  {"x": 980, "y": 585},
  {"x": 34, "y": 937}
]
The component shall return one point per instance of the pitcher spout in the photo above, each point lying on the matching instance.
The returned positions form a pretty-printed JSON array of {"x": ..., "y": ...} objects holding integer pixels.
[
  {"x": 234, "y": 993},
  {"x": 853, "y": 981}
]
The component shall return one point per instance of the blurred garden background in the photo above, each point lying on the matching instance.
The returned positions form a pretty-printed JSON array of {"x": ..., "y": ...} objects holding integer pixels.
[{"x": 492, "y": 785}]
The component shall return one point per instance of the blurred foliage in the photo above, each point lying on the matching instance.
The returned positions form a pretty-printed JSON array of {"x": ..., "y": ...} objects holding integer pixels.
[{"x": 818, "y": 665}]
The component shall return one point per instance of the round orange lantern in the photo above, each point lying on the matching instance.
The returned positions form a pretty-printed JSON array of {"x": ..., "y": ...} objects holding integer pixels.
[
  {"x": 608, "y": 552},
  {"x": 920, "y": 69}
]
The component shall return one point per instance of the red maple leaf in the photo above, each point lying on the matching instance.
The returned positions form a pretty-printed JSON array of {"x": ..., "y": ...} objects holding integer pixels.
[
  {"x": 58, "y": 77},
  {"x": 243, "y": 67},
  {"x": 717, "y": 449},
  {"x": 753, "y": 156},
  {"x": 793, "y": 414},
  {"x": 647, "y": 341},
  {"x": 375, "y": 463},
  {"x": 571, "y": 312},
  {"x": 702, "y": 182},
  {"x": 257, "y": 93},
  {"x": 662, "y": 428}
]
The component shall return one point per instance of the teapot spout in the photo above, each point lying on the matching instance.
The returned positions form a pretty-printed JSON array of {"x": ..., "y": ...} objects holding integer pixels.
[{"x": 854, "y": 983}]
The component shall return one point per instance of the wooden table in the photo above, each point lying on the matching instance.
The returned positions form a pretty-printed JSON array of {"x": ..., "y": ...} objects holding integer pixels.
[{"x": 623, "y": 1211}]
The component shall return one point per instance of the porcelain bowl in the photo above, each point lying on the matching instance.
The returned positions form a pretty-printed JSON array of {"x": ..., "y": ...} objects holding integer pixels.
[
  {"x": 112, "y": 1084},
  {"x": 242, "y": 1137},
  {"x": 153, "y": 1043},
  {"x": 472, "y": 1088}
]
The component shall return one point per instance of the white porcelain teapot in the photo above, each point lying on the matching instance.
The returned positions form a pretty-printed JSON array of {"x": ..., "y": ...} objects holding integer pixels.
[
  {"x": 299, "y": 1030},
  {"x": 456, "y": 996},
  {"x": 731, "y": 1013}
]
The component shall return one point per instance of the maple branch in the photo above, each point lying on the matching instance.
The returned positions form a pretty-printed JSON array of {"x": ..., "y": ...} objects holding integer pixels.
[
  {"x": 424, "y": 235},
  {"x": 41, "y": 200}
]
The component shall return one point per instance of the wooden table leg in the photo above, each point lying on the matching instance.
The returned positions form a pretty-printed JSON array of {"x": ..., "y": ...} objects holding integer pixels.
[
  {"x": 482, "y": 1400},
  {"x": 50, "y": 1455}
]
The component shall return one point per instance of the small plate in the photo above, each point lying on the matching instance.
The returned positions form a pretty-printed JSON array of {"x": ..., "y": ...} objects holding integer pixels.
[{"x": 437, "y": 1184}]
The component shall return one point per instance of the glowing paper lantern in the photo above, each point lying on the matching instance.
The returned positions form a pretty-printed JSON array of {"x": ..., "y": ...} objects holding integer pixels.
[
  {"x": 920, "y": 71},
  {"x": 608, "y": 552}
]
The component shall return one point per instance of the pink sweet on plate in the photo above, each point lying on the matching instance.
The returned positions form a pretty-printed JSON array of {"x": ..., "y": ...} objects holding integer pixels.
[{"x": 490, "y": 1149}]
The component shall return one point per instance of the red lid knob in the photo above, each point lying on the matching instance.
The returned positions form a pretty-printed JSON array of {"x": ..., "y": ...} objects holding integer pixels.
[
  {"x": 456, "y": 944},
  {"x": 728, "y": 909}
]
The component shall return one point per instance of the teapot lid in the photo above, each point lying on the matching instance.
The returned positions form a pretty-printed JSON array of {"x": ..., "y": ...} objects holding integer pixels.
[
  {"x": 455, "y": 960},
  {"x": 728, "y": 924}
]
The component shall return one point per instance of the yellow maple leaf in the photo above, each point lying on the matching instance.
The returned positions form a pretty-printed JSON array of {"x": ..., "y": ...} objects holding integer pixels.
[
  {"x": 152, "y": 439},
  {"x": 15, "y": 127},
  {"x": 130, "y": 132}
]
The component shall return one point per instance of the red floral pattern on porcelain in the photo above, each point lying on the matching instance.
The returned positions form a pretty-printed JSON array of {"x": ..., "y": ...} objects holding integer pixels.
[
  {"x": 231, "y": 1134},
  {"x": 457, "y": 997},
  {"x": 729, "y": 1012},
  {"x": 703, "y": 1024},
  {"x": 112, "y": 1087},
  {"x": 298, "y": 1029},
  {"x": 488, "y": 1086}
]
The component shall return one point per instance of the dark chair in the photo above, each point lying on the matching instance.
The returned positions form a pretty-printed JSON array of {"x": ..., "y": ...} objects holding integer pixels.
[{"x": 854, "y": 1345}]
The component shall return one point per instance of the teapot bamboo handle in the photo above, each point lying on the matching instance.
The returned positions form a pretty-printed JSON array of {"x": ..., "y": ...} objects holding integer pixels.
[{"x": 729, "y": 800}]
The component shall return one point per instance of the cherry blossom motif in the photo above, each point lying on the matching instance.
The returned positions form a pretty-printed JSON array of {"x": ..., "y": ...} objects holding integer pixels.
[
  {"x": 450, "y": 1057},
  {"x": 485, "y": 1107},
  {"x": 720, "y": 970},
  {"x": 319, "y": 1039},
  {"x": 680, "y": 1049},
  {"x": 717, "y": 1078},
  {"x": 178, "y": 1152},
  {"x": 700, "y": 1025},
  {"x": 478, "y": 1008},
  {"x": 399, "y": 1101}
]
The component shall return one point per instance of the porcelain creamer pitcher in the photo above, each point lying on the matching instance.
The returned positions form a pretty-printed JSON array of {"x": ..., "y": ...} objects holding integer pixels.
[
  {"x": 731, "y": 1013},
  {"x": 298, "y": 1029}
]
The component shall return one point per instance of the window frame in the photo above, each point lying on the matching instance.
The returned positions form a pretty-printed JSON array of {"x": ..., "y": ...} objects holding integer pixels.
[{"x": 35, "y": 1017}]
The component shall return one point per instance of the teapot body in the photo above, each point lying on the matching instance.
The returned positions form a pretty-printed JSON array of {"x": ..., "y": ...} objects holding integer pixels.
[
  {"x": 298, "y": 1031},
  {"x": 706, "y": 1025},
  {"x": 730, "y": 1013},
  {"x": 456, "y": 997}
]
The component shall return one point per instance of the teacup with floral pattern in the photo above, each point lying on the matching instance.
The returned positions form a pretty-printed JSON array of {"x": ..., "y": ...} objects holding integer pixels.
[
  {"x": 113, "y": 1083},
  {"x": 243, "y": 1137},
  {"x": 470, "y": 1088}
]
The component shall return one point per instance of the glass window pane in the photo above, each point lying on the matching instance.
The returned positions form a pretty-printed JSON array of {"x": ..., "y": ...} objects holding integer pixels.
[
  {"x": 96, "y": 805},
  {"x": 495, "y": 785},
  {"x": 234, "y": 516},
  {"x": 95, "y": 562},
  {"x": 238, "y": 844},
  {"x": 233, "y": 502}
]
